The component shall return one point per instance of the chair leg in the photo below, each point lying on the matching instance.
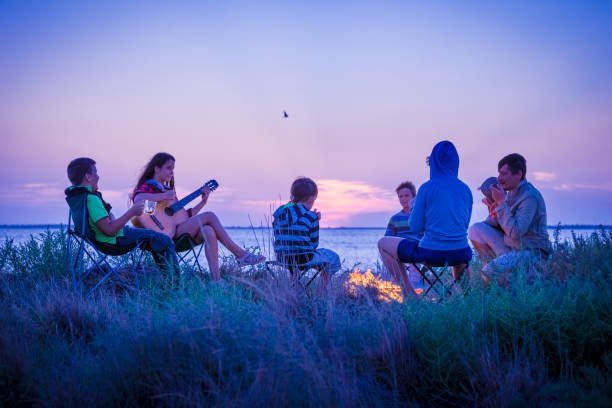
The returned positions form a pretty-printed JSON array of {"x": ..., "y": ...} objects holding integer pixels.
[
  {"x": 437, "y": 277},
  {"x": 196, "y": 257},
  {"x": 195, "y": 266},
  {"x": 295, "y": 273},
  {"x": 317, "y": 273},
  {"x": 423, "y": 272},
  {"x": 79, "y": 264},
  {"x": 196, "y": 263},
  {"x": 69, "y": 259},
  {"x": 136, "y": 263},
  {"x": 101, "y": 260}
]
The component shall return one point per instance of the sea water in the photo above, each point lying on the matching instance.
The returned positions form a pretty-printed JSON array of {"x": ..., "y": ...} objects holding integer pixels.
[{"x": 357, "y": 247}]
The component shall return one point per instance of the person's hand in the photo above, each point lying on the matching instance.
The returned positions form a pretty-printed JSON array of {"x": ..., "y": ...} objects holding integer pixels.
[
  {"x": 498, "y": 194},
  {"x": 137, "y": 208},
  {"x": 487, "y": 202},
  {"x": 427, "y": 161},
  {"x": 317, "y": 212},
  {"x": 491, "y": 206},
  {"x": 168, "y": 195},
  {"x": 205, "y": 193}
]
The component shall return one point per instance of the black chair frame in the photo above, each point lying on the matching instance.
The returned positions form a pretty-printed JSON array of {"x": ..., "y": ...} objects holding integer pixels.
[
  {"x": 185, "y": 248},
  {"x": 98, "y": 253},
  {"x": 433, "y": 274},
  {"x": 298, "y": 272}
]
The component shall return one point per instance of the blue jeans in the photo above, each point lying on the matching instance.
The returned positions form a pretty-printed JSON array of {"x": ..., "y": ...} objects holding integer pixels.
[{"x": 160, "y": 245}]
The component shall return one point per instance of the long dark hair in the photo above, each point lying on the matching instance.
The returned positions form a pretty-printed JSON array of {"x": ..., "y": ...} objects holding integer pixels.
[{"x": 156, "y": 161}]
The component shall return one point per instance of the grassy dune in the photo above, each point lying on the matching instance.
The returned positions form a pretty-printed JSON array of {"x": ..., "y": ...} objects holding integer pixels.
[{"x": 255, "y": 340}]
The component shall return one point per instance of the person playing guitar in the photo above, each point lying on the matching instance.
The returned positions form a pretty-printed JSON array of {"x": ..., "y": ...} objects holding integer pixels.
[{"x": 156, "y": 183}]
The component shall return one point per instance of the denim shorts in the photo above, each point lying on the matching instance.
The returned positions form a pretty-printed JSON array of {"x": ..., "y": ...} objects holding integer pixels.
[
  {"x": 409, "y": 251},
  {"x": 328, "y": 259}
]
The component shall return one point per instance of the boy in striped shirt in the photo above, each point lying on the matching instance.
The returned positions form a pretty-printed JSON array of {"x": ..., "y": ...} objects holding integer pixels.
[{"x": 296, "y": 232}]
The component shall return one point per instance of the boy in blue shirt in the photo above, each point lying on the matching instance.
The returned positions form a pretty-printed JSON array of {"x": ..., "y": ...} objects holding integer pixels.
[
  {"x": 296, "y": 232},
  {"x": 399, "y": 225}
]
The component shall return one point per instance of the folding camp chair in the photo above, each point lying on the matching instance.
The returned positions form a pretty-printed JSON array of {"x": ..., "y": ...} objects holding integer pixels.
[
  {"x": 185, "y": 248},
  {"x": 99, "y": 257},
  {"x": 437, "y": 277},
  {"x": 300, "y": 273}
]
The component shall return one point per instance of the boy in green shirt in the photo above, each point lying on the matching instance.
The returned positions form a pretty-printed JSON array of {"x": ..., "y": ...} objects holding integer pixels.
[{"x": 107, "y": 229}]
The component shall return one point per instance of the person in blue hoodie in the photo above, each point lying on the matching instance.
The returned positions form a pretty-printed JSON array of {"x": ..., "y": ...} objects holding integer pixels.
[{"x": 442, "y": 212}]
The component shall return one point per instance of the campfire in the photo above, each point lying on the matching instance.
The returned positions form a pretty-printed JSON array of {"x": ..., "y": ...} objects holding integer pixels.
[{"x": 386, "y": 291}]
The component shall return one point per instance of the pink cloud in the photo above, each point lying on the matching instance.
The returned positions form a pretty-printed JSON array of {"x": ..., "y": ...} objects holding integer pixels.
[
  {"x": 598, "y": 187},
  {"x": 564, "y": 187},
  {"x": 33, "y": 193},
  {"x": 601, "y": 187},
  {"x": 35, "y": 185},
  {"x": 339, "y": 200},
  {"x": 544, "y": 176}
]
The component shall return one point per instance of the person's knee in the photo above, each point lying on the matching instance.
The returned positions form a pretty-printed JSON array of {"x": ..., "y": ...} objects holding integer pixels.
[
  {"x": 474, "y": 232},
  {"x": 209, "y": 216},
  {"x": 161, "y": 241},
  {"x": 167, "y": 241},
  {"x": 382, "y": 244},
  {"x": 328, "y": 260},
  {"x": 335, "y": 262},
  {"x": 208, "y": 233}
]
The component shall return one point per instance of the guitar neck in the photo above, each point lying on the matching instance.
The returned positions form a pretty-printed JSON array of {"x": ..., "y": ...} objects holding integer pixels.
[
  {"x": 186, "y": 200},
  {"x": 210, "y": 184}
]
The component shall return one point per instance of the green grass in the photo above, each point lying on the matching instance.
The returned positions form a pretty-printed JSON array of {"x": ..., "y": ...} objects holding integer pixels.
[{"x": 254, "y": 340}]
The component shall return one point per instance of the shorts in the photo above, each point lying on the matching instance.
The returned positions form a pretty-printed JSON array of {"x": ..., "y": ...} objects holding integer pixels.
[{"x": 409, "y": 251}]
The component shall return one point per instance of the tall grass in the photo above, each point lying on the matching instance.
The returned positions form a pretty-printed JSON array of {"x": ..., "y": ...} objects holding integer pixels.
[{"x": 257, "y": 340}]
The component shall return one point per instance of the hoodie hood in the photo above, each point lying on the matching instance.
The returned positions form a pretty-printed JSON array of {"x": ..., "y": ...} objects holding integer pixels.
[{"x": 443, "y": 161}]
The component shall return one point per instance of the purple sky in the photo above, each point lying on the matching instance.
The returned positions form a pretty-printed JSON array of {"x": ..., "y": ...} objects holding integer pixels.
[{"x": 369, "y": 87}]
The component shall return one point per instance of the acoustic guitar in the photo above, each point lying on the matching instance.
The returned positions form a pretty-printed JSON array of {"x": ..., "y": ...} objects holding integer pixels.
[{"x": 170, "y": 213}]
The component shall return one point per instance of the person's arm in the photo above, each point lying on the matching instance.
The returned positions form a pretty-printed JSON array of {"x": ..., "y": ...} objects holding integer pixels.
[
  {"x": 516, "y": 226},
  {"x": 196, "y": 208},
  {"x": 111, "y": 226},
  {"x": 168, "y": 195},
  {"x": 492, "y": 217},
  {"x": 314, "y": 233},
  {"x": 310, "y": 220},
  {"x": 417, "y": 213}
]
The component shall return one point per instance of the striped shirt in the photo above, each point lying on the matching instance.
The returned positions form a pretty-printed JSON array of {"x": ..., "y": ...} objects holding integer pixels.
[
  {"x": 399, "y": 226},
  {"x": 296, "y": 233}
]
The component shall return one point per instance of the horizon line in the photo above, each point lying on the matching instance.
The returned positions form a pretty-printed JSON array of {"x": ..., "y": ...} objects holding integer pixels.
[{"x": 560, "y": 226}]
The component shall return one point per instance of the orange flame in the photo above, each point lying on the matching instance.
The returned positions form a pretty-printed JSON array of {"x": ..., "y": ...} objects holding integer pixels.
[{"x": 387, "y": 291}]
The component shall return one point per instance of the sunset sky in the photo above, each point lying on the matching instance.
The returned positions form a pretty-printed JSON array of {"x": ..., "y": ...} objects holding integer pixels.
[{"x": 369, "y": 87}]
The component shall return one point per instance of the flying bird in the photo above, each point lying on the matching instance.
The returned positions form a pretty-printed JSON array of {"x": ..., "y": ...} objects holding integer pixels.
[{"x": 285, "y": 114}]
